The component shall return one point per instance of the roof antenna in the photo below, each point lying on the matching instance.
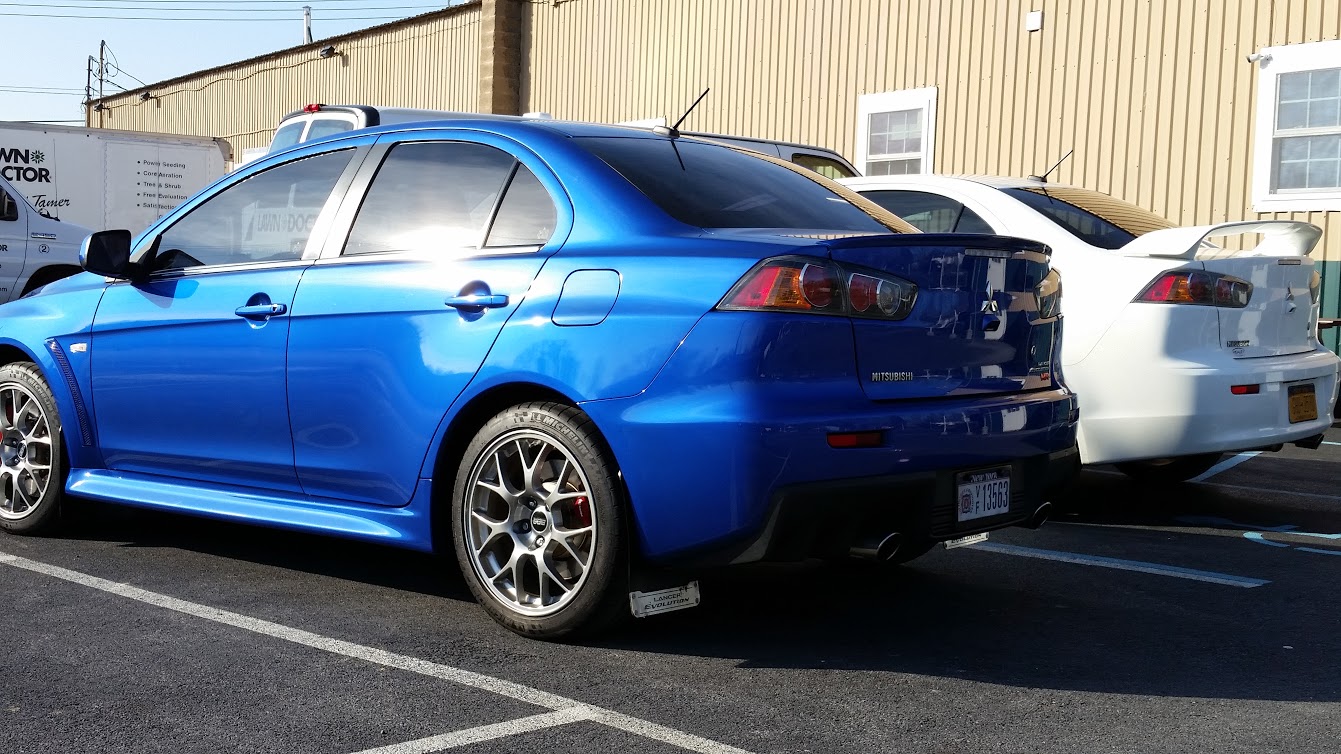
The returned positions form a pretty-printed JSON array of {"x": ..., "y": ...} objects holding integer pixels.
[
  {"x": 1044, "y": 178},
  {"x": 673, "y": 131}
]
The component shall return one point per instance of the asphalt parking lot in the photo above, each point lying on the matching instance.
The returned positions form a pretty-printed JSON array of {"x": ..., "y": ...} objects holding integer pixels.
[{"x": 1197, "y": 617}]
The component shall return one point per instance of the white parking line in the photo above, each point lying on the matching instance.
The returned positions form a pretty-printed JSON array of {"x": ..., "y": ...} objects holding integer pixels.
[
  {"x": 1119, "y": 564},
  {"x": 1226, "y": 464},
  {"x": 485, "y": 732},
  {"x": 627, "y": 723}
]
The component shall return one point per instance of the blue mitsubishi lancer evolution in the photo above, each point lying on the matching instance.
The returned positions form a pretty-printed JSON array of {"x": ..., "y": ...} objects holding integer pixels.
[{"x": 569, "y": 353}]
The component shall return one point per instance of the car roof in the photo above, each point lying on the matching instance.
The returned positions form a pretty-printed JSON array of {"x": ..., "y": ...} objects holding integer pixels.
[{"x": 995, "y": 181}]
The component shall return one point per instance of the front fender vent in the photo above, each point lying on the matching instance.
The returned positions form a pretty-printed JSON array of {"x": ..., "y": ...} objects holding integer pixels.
[{"x": 81, "y": 413}]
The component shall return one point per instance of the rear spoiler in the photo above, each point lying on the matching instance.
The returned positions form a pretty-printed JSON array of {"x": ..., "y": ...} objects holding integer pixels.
[{"x": 1280, "y": 238}]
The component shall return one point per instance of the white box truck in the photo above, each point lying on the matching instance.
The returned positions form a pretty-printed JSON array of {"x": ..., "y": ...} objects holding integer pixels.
[
  {"x": 34, "y": 249},
  {"x": 103, "y": 178}
]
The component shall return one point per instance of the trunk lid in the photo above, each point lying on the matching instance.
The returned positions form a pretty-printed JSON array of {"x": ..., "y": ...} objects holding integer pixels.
[
  {"x": 1281, "y": 317},
  {"x": 975, "y": 326}
]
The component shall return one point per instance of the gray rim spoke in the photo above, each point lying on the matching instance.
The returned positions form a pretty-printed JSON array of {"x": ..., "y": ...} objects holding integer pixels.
[
  {"x": 548, "y": 563},
  {"x": 26, "y": 452}
]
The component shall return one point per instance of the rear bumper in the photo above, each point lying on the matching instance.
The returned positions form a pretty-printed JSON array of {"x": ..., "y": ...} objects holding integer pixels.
[
  {"x": 1164, "y": 407},
  {"x": 732, "y": 438},
  {"x": 826, "y": 519}
]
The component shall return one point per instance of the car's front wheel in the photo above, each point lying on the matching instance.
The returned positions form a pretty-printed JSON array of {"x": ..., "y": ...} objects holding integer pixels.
[
  {"x": 538, "y": 522},
  {"x": 1169, "y": 470},
  {"x": 31, "y": 465}
]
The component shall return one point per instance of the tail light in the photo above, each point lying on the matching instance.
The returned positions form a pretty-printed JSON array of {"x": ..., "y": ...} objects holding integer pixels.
[
  {"x": 807, "y": 284},
  {"x": 1198, "y": 287},
  {"x": 1049, "y": 295}
]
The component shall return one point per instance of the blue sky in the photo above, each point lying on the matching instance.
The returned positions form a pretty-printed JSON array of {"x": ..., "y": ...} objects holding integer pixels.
[{"x": 43, "y": 60}]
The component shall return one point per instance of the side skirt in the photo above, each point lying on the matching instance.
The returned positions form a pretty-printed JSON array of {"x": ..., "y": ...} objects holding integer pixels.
[{"x": 407, "y": 526}]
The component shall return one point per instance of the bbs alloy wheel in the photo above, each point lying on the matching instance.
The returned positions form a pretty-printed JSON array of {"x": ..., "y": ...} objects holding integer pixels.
[
  {"x": 538, "y": 521},
  {"x": 31, "y": 471}
]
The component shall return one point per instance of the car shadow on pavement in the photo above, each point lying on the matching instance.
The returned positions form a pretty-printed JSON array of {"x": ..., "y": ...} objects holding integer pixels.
[
  {"x": 373, "y": 564},
  {"x": 960, "y": 614}
]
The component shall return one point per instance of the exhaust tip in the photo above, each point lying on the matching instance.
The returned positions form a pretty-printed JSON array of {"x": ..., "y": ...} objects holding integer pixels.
[
  {"x": 888, "y": 546},
  {"x": 877, "y": 549},
  {"x": 1041, "y": 514}
]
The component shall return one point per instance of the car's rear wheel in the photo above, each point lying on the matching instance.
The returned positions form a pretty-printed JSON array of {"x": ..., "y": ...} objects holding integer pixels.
[
  {"x": 31, "y": 465},
  {"x": 538, "y": 522},
  {"x": 1168, "y": 470}
]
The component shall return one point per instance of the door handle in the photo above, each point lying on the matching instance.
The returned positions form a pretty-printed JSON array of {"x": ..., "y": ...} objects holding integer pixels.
[
  {"x": 477, "y": 301},
  {"x": 260, "y": 311}
]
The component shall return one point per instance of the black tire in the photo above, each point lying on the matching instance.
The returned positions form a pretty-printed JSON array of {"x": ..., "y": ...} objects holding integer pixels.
[
  {"x": 599, "y": 594},
  {"x": 49, "y": 274},
  {"x": 29, "y": 504},
  {"x": 1168, "y": 470}
]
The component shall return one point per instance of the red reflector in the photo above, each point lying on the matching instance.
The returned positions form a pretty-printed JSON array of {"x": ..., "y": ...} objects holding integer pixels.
[
  {"x": 312, "y": 109},
  {"x": 1245, "y": 389},
  {"x": 854, "y": 439}
]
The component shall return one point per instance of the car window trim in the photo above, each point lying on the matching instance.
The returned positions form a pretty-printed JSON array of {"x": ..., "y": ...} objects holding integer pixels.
[
  {"x": 315, "y": 239},
  {"x": 342, "y": 223}
]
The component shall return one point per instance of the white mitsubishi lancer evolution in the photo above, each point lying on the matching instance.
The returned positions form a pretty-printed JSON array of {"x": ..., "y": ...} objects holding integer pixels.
[{"x": 1179, "y": 349}]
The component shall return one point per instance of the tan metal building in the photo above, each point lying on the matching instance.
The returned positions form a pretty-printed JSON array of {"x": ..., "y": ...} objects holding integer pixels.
[{"x": 1157, "y": 97}]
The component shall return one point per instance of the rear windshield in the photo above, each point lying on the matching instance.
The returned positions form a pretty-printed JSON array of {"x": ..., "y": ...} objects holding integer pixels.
[
  {"x": 286, "y": 136},
  {"x": 710, "y": 186},
  {"x": 1095, "y": 218}
]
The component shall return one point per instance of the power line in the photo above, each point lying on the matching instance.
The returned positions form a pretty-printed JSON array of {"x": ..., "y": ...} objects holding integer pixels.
[
  {"x": 215, "y": 19},
  {"x": 287, "y": 11},
  {"x": 42, "y": 88},
  {"x": 314, "y": 3},
  {"x": 8, "y": 90}
]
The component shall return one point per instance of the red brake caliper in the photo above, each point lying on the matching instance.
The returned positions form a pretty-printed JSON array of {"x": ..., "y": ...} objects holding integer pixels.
[{"x": 582, "y": 509}]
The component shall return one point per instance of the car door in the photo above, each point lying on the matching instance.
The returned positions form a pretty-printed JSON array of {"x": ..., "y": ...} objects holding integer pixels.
[
  {"x": 396, "y": 318},
  {"x": 188, "y": 363},
  {"x": 13, "y": 241}
]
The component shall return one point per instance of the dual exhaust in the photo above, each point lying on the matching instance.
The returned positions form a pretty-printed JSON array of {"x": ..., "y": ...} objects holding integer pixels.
[{"x": 884, "y": 548}]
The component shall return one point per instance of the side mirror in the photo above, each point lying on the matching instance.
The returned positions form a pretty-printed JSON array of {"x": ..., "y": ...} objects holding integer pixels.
[
  {"x": 107, "y": 253},
  {"x": 9, "y": 209}
]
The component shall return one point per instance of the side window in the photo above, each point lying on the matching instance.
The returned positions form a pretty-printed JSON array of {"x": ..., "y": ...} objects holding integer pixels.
[
  {"x": 527, "y": 216},
  {"x": 832, "y": 169},
  {"x": 265, "y": 218},
  {"x": 430, "y": 196},
  {"x": 931, "y": 213}
]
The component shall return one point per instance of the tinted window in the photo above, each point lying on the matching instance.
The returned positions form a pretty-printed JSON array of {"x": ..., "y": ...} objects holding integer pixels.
[
  {"x": 526, "y": 217},
  {"x": 286, "y": 136},
  {"x": 831, "y": 169},
  {"x": 265, "y": 218},
  {"x": 429, "y": 196},
  {"x": 1095, "y": 218},
  {"x": 709, "y": 186},
  {"x": 931, "y": 213},
  {"x": 327, "y": 126}
]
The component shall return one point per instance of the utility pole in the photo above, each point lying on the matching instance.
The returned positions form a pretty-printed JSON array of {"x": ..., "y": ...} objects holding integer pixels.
[{"x": 307, "y": 24}]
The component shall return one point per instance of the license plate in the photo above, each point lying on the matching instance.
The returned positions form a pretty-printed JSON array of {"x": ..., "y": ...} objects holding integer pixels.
[
  {"x": 983, "y": 493},
  {"x": 971, "y": 539},
  {"x": 644, "y": 604},
  {"x": 1303, "y": 403}
]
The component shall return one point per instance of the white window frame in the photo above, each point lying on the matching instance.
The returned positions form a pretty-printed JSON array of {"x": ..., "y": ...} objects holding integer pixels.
[
  {"x": 923, "y": 99},
  {"x": 1271, "y": 63}
]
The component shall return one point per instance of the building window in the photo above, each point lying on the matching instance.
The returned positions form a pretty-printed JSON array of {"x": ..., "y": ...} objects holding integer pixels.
[
  {"x": 896, "y": 131},
  {"x": 1297, "y": 155}
]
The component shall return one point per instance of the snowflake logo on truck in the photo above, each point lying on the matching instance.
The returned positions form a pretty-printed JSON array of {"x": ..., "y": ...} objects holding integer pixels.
[{"x": 38, "y": 157}]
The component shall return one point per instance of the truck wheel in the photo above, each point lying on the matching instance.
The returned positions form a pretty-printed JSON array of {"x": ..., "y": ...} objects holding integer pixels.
[
  {"x": 1169, "y": 470},
  {"x": 538, "y": 523},
  {"x": 49, "y": 274},
  {"x": 32, "y": 471}
]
